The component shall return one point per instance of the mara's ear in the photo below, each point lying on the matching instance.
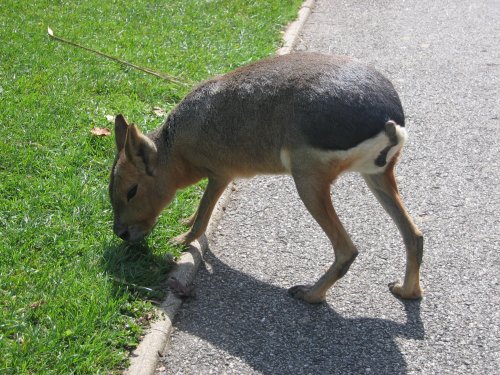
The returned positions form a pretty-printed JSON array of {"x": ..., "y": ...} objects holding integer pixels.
[
  {"x": 121, "y": 127},
  {"x": 140, "y": 150}
]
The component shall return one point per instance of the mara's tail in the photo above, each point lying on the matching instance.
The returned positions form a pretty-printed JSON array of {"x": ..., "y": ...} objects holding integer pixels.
[{"x": 397, "y": 137}]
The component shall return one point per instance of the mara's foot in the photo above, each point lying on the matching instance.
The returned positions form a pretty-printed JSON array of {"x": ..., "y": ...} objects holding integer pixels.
[
  {"x": 183, "y": 239},
  {"x": 405, "y": 293},
  {"x": 306, "y": 293}
]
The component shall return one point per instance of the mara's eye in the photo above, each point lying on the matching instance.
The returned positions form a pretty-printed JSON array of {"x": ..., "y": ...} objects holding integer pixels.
[{"x": 132, "y": 192}]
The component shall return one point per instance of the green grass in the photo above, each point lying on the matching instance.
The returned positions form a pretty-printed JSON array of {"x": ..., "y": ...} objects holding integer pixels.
[{"x": 73, "y": 298}]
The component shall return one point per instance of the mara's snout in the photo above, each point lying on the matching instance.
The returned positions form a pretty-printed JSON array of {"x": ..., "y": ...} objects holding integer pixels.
[{"x": 133, "y": 233}]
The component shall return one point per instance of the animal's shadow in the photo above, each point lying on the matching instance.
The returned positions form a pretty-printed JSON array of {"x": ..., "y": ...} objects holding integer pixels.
[
  {"x": 275, "y": 334},
  {"x": 136, "y": 269}
]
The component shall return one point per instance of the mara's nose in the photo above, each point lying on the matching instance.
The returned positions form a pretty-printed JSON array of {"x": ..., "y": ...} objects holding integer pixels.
[{"x": 121, "y": 231}]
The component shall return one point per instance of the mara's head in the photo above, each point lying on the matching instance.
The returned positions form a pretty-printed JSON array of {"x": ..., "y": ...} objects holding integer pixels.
[{"x": 135, "y": 196}]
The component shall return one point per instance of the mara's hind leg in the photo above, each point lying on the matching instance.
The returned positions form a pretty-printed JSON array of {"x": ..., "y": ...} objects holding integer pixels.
[
  {"x": 314, "y": 190},
  {"x": 384, "y": 187}
]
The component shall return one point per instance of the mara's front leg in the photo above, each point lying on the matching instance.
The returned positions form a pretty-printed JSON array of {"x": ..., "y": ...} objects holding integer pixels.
[{"x": 215, "y": 187}]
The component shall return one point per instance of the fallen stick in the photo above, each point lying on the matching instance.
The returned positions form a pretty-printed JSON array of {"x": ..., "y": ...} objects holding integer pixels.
[{"x": 142, "y": 69}]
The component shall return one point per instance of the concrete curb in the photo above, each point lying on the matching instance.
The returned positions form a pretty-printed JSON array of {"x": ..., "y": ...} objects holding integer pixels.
[
  {"x": 292, "y": 31},
  {"x": 144, "y": 359}
]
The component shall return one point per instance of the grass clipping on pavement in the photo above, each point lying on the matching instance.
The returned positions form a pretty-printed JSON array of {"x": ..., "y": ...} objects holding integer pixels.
[{"x": 73, "y": 298}]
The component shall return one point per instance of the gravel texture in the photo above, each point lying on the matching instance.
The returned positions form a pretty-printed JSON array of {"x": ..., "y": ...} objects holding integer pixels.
[{"x": 443, "y": 58}]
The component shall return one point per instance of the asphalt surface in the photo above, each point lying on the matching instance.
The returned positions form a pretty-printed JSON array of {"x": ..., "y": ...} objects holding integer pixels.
[{"x": 443, "y": 58}]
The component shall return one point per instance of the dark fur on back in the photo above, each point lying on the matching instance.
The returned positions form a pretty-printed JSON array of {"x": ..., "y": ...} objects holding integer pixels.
[{"x": 331, "y": 102}]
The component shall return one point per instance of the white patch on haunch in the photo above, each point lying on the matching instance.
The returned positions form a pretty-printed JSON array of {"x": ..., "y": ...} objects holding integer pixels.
[
  {"x": 360, "y": 158},
  {"x": 363, "y": 156}
]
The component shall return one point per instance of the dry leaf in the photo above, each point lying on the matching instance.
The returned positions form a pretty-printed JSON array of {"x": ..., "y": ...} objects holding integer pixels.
[
  {"x": 100, "y": 132},
  {"x": 110, "y": 118},
  {"x": 37, "y": 304},
  {"x": 49, "y": 31},
  {"x": 160, "y": 112}
]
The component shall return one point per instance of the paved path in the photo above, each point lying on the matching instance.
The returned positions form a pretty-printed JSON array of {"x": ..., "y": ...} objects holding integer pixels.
[{"x": 443, "y": 57}]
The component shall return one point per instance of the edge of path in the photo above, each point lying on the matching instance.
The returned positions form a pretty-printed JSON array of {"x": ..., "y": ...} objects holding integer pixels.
[{"x": 145, "y": 357}]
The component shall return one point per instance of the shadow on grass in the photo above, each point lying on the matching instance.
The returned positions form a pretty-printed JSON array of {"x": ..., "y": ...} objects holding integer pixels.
[{"x": 136, "y": 269}]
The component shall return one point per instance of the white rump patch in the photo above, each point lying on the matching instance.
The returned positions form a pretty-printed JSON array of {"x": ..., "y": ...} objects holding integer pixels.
[
  {"x": 362, "y": 156},
  {"x": 365, "y": 154}
]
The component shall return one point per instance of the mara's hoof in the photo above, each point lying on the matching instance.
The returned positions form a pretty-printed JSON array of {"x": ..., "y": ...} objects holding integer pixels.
[
  {"x": 182, "y": 240},
  {"x": 405, "y": 293},
  {"x": 306, "y": 293}
]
